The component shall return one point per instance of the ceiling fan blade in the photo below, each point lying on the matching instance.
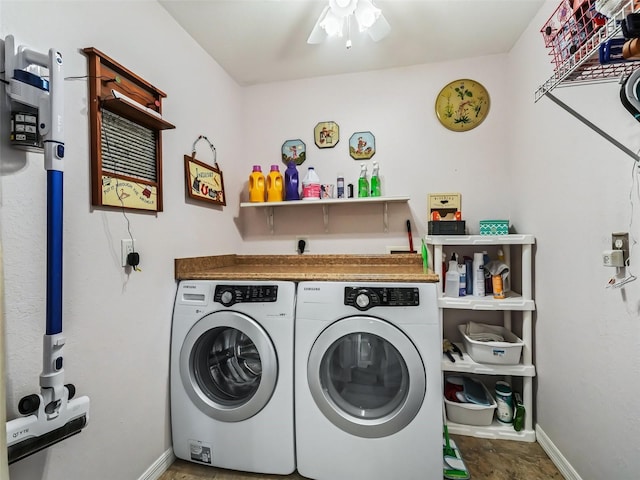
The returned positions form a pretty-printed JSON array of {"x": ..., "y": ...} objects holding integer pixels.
[
  {"x": 318, "y": 33},
  {"x": 380, "y": 29}
]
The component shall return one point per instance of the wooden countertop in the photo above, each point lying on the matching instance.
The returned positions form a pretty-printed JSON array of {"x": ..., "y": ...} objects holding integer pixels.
[{"x": 371, "y": 268}]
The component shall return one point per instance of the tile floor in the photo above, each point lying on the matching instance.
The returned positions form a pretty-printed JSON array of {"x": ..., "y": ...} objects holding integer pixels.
[{"x": 486, "y": 460}]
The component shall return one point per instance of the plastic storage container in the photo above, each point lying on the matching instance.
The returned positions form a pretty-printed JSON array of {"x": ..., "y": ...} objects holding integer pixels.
[
  {"x": 496, "y": 353},
  {"x": 471, "y": 413},
  {"x": 494, "y": 227},
  {"x": 256, "y": 185},
  {"x": 275, "y": 187}
]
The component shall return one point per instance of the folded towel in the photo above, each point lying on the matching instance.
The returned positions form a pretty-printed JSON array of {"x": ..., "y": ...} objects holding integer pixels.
[{"x": 481, "y": 333}]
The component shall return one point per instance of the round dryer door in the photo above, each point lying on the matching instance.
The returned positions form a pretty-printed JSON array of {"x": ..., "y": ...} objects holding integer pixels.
[
  {"x": 366, "y": 376},
  {"x": 228, "y": 366}
]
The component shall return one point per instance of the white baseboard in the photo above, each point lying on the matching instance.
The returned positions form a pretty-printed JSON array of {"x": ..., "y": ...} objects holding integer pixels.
[
  {"x": 160, "y": 466},
  {"x": 567, "y": 471}
]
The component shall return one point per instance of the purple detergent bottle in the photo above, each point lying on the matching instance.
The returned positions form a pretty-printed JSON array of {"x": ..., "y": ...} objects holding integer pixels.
[{"x": 291, "y": 183}]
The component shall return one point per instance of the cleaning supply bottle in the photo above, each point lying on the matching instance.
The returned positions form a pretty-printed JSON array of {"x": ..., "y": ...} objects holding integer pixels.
[
  {"x": 275, "y": 188},
  {"x": 504, "y": 401},
  {"x": 488, "y": 285},
  {"x": 468, "y": 269},
  {"x": 256, "y": 185},
  {"x": 375, "y": 181},
  {"x": 291, "y": 182},
  {"x": 506, "y": 281},
  {"x": 452, "y": 280},
  {"x": 363, "y": 182},
  {"x": 478, "y": 274},
  {"x": 340, "y": 186},
  {"x": 311, "y": 185}
]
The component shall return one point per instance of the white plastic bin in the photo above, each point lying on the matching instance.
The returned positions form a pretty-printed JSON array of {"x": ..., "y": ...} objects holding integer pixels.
[
  {"x": 496, "y": 353},
  {"x": 471, "y": 413}
]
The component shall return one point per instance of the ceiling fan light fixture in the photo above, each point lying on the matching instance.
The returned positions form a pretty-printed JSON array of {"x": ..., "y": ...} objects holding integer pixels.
[
  {"x": 343, "y": 8},
  {"x": 332, "y": 24},
  {"x": 366, "y": 14},
  {"x": 334, "y": 16},
  {"x": 379, "y": 29},
  {"x": 318, "y": 35}
]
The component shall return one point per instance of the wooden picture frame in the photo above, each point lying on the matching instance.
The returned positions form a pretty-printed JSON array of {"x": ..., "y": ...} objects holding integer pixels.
[
  {"x": 204, "y": 182},
  {"x": 326, "y": 134},
  {"x": 362, "y": 145}
]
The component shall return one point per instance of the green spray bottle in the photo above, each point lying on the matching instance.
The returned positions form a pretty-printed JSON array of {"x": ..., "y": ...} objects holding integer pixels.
[
  {"x": 375, "y": 181},
  {"x": 363, "y": 183}
]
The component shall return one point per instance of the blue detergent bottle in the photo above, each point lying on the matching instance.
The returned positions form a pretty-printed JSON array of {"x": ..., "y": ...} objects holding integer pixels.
[{"x": 291, "y": 182}]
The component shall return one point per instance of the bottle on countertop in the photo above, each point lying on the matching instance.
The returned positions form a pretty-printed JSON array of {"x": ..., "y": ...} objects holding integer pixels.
[
  {"x": 256, "y": 185},
  {"x": 275, "y": 187},
  {"x": 375, "y": 181},
  {"x": 291, "y": 182},
  {"x": 363, "y": 182},
  {"x": 311, "y": 185}
]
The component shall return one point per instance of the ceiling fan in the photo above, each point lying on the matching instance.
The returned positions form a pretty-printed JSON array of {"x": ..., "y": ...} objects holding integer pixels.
[{"x": 339, "y": 13}]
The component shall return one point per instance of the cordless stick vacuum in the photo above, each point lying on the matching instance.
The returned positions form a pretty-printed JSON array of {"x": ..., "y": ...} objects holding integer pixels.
[{"x": 51, "y": 415}]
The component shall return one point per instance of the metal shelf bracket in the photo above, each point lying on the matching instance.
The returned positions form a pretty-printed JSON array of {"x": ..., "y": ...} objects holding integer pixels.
[
  {"x": 592, "y": 126},
  {"x": 269, "y": 214}
]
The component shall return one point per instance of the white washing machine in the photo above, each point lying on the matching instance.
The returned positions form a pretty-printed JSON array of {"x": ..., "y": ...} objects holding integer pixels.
[
  {"x": 232, "y": 375},
  {"x": 368, "y": 385}
]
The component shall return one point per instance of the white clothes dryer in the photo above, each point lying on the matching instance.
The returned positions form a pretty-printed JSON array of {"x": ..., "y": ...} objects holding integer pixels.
[
  {"x": 232, "y": 375},
  {"x": 368, "y": 384}
]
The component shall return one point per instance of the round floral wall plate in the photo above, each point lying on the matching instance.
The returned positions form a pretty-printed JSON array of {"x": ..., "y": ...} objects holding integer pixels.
[
  {"x": 362, "y": 145},
  {"x": 462, "y": 105}
]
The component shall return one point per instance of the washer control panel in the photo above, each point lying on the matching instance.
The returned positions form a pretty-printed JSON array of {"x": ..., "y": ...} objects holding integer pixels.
[
  {"x": 228, "y": 295},
  {"x": 364, "y": 298}
]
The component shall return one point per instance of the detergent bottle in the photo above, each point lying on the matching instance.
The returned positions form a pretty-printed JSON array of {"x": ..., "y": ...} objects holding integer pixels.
[
  {"x": 291, "y": 182},
  {"x": 363, "y": 183},
  {"x": 311, "y": 185},
  {"x": 275, "y": 187},
  {"x": 256, "y": 185},
  {"x": 375, "y": 181}
]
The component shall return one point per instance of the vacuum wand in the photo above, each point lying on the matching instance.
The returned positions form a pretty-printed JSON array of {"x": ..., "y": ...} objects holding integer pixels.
[{"x": 53, "y": 414}]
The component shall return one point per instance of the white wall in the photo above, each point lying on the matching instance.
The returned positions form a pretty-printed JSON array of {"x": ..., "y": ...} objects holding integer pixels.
[
  {"x": 532, "y": 163},
  {"x": 117, "y": 325},
  {"x": 573, "y": 189},
  {"x": 416, "y": 154}
]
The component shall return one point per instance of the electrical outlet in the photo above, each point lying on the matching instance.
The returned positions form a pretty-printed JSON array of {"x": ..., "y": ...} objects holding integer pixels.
[
  {"x": 306, "y": 244},
  {"x": 620, "y": 241},
  {"x": 126, "y": 247}
]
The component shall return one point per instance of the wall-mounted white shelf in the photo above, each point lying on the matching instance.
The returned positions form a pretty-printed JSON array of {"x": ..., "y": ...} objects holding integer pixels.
[
  {"x": 513, "y": 301},
  {"x": 584, "y": 67},
  {"x": 325, "y": 204},
  {"x": 467, "y": 365},
  {"x": 496, "y": 430}
]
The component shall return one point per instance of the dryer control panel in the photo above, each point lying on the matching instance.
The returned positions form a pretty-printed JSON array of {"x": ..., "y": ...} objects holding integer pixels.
[
  {"x": 228, "y": 295},
  {"x": 364, "y": 298}
]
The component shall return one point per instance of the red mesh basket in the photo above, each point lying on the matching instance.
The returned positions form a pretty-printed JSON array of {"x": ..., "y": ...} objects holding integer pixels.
[{"x": 569, "y": 27}]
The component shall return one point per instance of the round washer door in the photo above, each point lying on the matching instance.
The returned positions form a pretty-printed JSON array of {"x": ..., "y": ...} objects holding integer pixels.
[
  {"x": 228, "y": 366},
  {"x": 366, "y": 376}
]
